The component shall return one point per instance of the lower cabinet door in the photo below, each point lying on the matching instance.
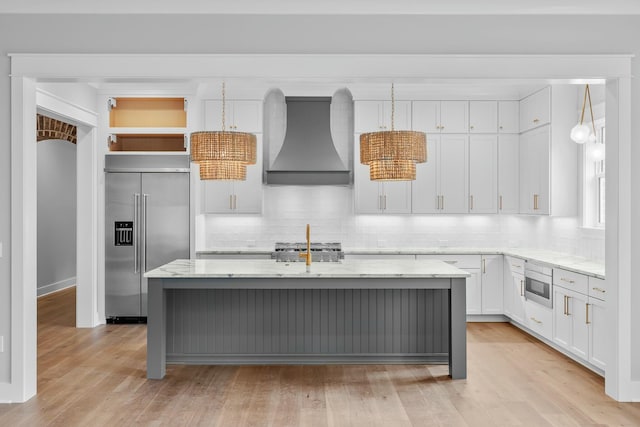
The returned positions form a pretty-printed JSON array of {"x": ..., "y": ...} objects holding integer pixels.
[
  {"x": 517, "y": 306},
  {"x": 597, "y": 333},
  {"x": 562, "y": 321},
  {"x": 492, "y": 278},
  {"x": 578, "y": 309},
  {"x": 539, "y": 319},
  {"x": 474, "y": 291}
]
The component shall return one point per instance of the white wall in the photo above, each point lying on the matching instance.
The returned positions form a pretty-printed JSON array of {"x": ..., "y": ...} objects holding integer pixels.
[
  {"x": 300, "y": 34},
  {"x": 56, "y": 215}
]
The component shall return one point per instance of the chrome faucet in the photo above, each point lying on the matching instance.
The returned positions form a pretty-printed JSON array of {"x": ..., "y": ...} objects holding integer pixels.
[{"x": 307, "y": 254}]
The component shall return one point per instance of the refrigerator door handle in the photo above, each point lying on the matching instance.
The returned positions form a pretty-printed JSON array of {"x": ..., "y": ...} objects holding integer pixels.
[
  {"x": 136, "y": 203},
  {"x": 145, "y": 197}
]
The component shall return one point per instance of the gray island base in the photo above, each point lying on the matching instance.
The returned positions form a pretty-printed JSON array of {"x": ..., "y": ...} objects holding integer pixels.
[{"x": 263, "y": 312}]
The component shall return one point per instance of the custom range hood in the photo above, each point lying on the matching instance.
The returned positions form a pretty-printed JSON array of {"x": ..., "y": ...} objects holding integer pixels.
[{"x": 307, "y": 154}]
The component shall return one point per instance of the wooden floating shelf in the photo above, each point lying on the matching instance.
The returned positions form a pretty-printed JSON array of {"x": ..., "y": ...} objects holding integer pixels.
[
  {"x": 148, "y": 142},
  {"x": 148, "y": 112}
]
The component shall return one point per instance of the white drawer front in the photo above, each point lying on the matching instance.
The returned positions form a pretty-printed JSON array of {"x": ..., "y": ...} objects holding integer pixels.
[
  {"x": 460, "y": 261},
  {"x": 570, "y": 280},
  {"x": 598, "y": 288},
  {"x": 539, "y": 319},
  {"x": 516, "y": 265}
]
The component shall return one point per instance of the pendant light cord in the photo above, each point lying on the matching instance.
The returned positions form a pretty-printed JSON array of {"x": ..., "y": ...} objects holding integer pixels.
[
  {"x": 393, "y": 108},
  {"x": 587, "y": 95},
  {"x": 224, "y": 102}
]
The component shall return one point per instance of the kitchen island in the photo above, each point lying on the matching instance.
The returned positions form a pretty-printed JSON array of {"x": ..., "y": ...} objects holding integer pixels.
[{"x": 261, "y": 312}]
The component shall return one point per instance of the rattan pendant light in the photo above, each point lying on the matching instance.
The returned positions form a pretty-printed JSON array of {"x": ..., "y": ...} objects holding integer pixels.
[
  {"x": 392, "y": 154},
  {"x": 223, "y": 155}
]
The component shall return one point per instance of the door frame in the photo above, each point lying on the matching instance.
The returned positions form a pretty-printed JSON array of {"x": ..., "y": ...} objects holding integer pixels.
[{"x": 26, "y": 101}]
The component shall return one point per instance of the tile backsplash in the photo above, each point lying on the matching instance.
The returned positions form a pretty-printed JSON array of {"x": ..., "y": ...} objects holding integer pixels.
[{"x": 329, "y": 210}]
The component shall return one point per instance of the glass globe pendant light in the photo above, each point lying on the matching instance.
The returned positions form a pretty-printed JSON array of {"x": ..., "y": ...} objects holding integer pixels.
[{"x": 581, "y": 133}]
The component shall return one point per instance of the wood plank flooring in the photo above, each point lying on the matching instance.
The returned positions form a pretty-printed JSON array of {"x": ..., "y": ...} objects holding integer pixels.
[{"x": 97, "y": 377}]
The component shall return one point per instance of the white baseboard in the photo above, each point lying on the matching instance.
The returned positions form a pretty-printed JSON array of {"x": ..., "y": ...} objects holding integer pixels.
[
  {"x": 487, "y": 318},
  {"x": 57, "y": 286}
]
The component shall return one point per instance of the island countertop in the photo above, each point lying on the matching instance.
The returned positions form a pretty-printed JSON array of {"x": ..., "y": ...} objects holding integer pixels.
[{"x": 210, "y": 268}]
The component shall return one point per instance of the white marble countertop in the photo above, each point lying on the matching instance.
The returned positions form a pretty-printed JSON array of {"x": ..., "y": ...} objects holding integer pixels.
[
  {"x": 554, "y": 259},
  {"x": 210, "y": 268}
]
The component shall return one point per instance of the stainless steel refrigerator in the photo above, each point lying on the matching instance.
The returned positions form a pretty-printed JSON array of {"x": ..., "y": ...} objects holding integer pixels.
[{"x": 147, "y": 225}]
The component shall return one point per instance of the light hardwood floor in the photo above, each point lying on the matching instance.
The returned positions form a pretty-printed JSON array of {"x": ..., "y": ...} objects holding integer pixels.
[{"x": 97, "y": 377}]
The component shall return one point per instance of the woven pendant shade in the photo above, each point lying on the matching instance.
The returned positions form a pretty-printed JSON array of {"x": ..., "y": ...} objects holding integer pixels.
[
  {"x": 392, "y": 154},
  {"x": 223, "y": 170},
  {"x": 392, "y": 170},
  {"x": 223, "y": 155}
]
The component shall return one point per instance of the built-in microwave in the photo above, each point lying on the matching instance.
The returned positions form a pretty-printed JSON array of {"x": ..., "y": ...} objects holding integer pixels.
[{"x": 538, "y": 284}]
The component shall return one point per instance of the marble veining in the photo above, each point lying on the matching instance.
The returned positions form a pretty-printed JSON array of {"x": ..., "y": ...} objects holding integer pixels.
[
  {"x": 554, "y": 259},
  {"x": 210, "y": 268}
]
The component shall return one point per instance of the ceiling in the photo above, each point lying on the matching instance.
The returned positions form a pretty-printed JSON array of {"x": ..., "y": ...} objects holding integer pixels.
[{"x": 329, "y": 7}]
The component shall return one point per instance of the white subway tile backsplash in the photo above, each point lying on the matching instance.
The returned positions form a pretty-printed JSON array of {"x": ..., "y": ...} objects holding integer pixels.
[{"x": 329, "y": 210}]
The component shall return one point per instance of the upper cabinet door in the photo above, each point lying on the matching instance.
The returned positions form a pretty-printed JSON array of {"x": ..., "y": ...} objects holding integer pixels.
[
  {"x": 247, "y": 116},
  {"x": 401, "y": 115},
  {"x": 242, "y": 116},
  {"x": 426, "y": 116},
  {"x": 369, "y": 116},
  {"x": 454, "y": 116},
  {"x": 508, "y": 173},
  {"x": 509, "y": 116},
  {"x": 483, "y": 116},
  {"x": 483, "y": 173},
  {"x": 453, "y": 175},
  {"x": 535, "y": 110},
  {"x": 424, "y": 190}
]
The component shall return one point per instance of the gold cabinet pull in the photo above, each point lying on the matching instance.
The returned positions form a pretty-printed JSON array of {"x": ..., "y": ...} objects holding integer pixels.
[
  {"x": 521, "y": 288},
  {"x": 568, "y": 297},
  {"x": 484, "y": 265},
  {"x": 567, "y": 280},
  {"x": 500, "y": 202},
  {"x": 539, "y": 322},
  {"x": 599, "y": 290},
  {"x": 471, "y": 202},
  {"x": 536, "y": 120},
  {"x": 586, "y": 314},
  {"x": 231, "y": 201},
  {"x": 535, "y": 202}
]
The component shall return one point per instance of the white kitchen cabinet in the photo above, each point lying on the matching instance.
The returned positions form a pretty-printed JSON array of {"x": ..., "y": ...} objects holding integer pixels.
[
  {"x": 509, "y": 116},
  {"x": 534, "y": 171},
  {"x": 453, "y": 173},
  {"x": 548, "y": 166},
  {"x": 571, "y": 330},
  {"x": 483, "y": 174},
  {"x": 535, "y": 109},
  {"x": 579, "y": 318},
  {"x": 240, "y": 115},
  {"x": 374, "y": 197},
  {"x": 471, "y": 264},
  {"x": 538, "y": 319},
  {"x": 508, "y": 173},
  {"x": 440, "y": 116},
  {"x": 492, "y": 284},
  {"x": 514, "y": 288},
  {"x": 241, "y": 197},
  {"x": 483, "y": 116},
  {"x": 474, "y": 291},
  {"x": 598, "y": 333},
  {"x": 374, "y": 116},
  {"x": 448, "y": 164}
]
